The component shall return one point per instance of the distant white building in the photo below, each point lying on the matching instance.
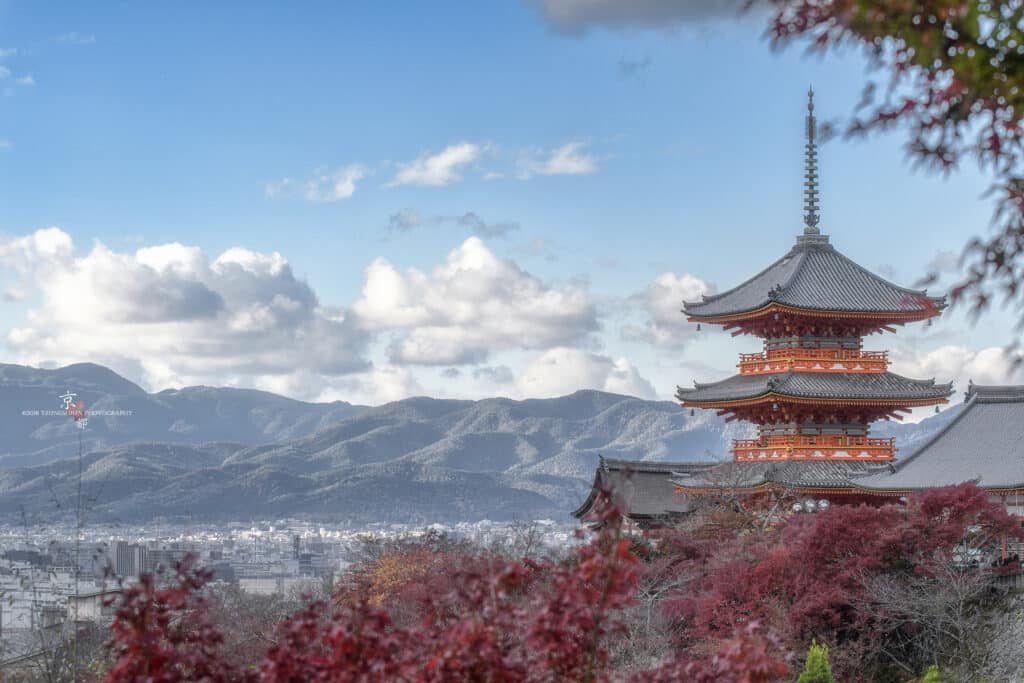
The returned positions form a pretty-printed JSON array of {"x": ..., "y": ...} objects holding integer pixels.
[
  {"x": 96, "y": 606},
  {"x": 279, "y": 585}
]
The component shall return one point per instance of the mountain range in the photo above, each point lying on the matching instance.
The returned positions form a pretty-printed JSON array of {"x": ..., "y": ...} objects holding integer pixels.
[{"x": 223, "y": 453}]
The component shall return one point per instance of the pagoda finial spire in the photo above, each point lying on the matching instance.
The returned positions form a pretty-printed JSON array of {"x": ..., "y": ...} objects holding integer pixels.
[{"x": 811, "y": 216}]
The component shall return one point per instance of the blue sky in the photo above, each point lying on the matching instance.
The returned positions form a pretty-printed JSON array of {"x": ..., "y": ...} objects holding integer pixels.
[{"x": 592, "y": 154}]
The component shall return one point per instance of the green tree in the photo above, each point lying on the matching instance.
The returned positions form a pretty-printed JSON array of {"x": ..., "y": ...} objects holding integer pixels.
[
  {"x": 931, "y": 675},
  {"x": 817, "y": 669}
]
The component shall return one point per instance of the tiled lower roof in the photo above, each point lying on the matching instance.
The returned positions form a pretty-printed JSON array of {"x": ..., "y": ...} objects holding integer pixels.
[
  {"x": 983, "y": 444},
  {"x": 643, "y": 488},
  {"x": 831, "y": 385},
  {"x": 817, "y": 474}
]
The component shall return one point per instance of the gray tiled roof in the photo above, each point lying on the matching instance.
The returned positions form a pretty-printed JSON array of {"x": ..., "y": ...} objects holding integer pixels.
[
  {"x": 984, "y": 443},
  {"x": 814, "y": 275},
  {"x": 817, "y": 385},
  {"x": 643, "y": 488},
  {"x": 819, "y": 473}
]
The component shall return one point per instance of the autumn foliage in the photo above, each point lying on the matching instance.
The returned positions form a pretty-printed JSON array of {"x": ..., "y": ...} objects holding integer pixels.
[{"x": 731, "y": 605}]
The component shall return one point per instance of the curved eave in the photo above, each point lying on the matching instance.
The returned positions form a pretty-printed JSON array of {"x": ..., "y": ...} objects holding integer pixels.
[
  {"x": 772, "y": 307},
  {"x": 588, "y": 504},
  {"x": 583, "y": 509},
  {"x": 776, "y": 397},
  {"x": 906, "y": 491},
  {"x": 767, "y": 487}
]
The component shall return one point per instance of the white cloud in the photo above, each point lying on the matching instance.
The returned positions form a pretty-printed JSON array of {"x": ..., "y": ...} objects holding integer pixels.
[
  {"x": 334, "y": 186},
  {"x": 4, "y": 72},
  {"x": 8, "y": 52},
  {"x": 666, "y": 325},
  {"x": 48, "y": 247},
  {"x": 439, "y": 169},
  {"x": 992, "y": 365},
  {"x": 474, "y": 304},
  {"x": 171, "y": 312},
  {"x": 569, "y": 159},
  {"x": 321, "y": 186},
  {"x": 577, "y": 16},
  {"x": 26, "y": 80},
  {"x": 561, "y": 371},
  {"x": 383, "y": 384}
]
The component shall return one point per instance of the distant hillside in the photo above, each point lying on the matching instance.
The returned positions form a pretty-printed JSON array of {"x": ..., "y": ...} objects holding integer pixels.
[
  {"x": 193, "y": 415},
  {"x": 420, "y": 459}
]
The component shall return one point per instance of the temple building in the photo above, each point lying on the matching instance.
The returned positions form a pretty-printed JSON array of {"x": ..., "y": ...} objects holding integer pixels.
[
  {"x": 813, "y": 390},
  {"x": 644, "y": 490},
  {"x": 982, "y": 444}
]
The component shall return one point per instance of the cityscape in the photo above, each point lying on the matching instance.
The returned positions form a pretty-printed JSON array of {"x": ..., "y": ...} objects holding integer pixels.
[{"x": 39, "y": 568}]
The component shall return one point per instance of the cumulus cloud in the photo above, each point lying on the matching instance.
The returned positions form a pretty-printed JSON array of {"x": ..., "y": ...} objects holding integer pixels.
[
  {"x": 569, "y": 159},
  {"x": 436, "y": 170},
  {"x": 662, "y": 301},
  {"x": 178, "y": 316},
  {"x": 321, "y": 186},
  {"x": 577, "y": 16},
  {"x": 4, "y": 72},
  {"x": 992, "y": 365},
  {"x": 45, "y": 248},
  {"x": 473, "y": 304},
  {"x": 561, "y": 371},
  {"x": 382, "y": 384},
  {"x": 26, "y": 80}
]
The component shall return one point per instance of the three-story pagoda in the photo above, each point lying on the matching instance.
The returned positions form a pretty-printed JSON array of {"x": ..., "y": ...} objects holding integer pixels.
[{"x": 813, "y": 390}]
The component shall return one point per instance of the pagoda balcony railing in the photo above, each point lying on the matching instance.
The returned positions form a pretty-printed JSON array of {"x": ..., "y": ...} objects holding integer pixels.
[
  {"x": 805, "y": 446},
  {"x": 813, "y": 360}
]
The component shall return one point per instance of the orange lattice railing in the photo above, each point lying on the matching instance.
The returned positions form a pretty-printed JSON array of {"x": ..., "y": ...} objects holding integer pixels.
[
  {"x": 803, "y": 446},
  {"x": 813, "y": 360}
]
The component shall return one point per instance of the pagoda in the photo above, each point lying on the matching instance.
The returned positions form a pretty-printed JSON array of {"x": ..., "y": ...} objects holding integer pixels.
[{"x": 813, "y": 390}]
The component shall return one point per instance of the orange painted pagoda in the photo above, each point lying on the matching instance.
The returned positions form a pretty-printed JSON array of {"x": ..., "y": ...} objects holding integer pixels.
[{"x": 813, "y": 390}]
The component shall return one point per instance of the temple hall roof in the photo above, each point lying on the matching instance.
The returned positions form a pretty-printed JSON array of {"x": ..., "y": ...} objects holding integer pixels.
[
  {"x": 644, "y": 489},
  {"x": 814, "y": 275},
  {"x": 823, "y": 474},
  {"x": 832, "y": 385},
  {"x": 984, "y": 443}
]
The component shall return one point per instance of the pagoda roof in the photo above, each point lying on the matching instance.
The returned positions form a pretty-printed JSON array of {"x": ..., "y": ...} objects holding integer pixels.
[
  {"x": 814, "y": 275},
  {"x": 820, "y": 385},
  {"x": 643, "y": 488},
  {"x": 984, "y": 443},
  {"x": 818, "y": 474}
]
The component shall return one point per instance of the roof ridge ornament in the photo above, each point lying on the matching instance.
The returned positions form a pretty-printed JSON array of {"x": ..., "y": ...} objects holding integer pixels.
[{"x": 812, "y": 234}]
